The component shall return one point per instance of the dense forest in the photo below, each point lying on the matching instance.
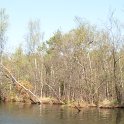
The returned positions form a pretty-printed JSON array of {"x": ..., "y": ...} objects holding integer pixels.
[{"x": 85, "y": 64}]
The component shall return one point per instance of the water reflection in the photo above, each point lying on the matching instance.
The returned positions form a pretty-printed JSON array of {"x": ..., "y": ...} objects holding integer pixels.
[
  {"x": 61, "y": 113},
  {"x": 48, "y": 114},
  {"x": 118, "y": 117},
  {"x": 115, "y": 116}
]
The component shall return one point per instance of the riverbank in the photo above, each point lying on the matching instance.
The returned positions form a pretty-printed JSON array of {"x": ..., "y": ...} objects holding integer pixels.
[{"x": 108, "y": 104}]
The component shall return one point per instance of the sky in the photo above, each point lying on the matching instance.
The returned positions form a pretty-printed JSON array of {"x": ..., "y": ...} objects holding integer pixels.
[{"x": 54, "y": 15}]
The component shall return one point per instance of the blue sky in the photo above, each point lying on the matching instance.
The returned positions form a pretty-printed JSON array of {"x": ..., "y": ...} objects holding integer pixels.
[{"x": 55, "y": 14}]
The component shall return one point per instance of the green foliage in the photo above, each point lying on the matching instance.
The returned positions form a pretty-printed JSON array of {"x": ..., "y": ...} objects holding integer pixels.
[{"x": 82, "y": 64}]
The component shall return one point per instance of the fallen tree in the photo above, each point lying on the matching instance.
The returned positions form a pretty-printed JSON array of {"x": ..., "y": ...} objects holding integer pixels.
[{"x": 34, "y": 98}]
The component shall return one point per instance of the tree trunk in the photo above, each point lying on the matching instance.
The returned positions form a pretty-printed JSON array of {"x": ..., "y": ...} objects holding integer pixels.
[{"x": 31, "y": 94}]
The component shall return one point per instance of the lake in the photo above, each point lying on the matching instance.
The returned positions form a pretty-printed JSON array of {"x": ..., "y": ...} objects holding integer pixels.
[{"x": 53, "y": 114}]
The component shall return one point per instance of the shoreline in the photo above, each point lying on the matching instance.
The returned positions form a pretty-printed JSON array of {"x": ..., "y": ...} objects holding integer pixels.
[{"x": 74, "y": 104}]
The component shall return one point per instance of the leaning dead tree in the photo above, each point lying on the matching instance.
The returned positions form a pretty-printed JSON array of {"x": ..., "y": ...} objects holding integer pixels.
[{"x": 33, "y": 97}]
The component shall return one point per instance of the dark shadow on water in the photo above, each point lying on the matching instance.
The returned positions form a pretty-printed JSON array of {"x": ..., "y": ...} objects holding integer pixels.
[{"x": 120, "y": 116}]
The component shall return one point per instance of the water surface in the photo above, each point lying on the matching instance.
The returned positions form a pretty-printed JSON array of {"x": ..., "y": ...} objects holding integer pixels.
[{"x": 48, "y": 114}]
